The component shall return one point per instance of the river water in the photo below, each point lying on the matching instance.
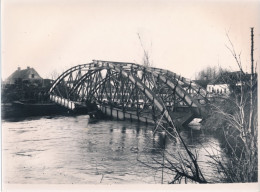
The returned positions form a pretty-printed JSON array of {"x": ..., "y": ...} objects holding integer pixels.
[{"x": 74, "y": 149}]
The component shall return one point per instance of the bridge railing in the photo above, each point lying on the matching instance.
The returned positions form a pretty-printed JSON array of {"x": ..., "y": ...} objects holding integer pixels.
[
  {"x": 120, "y": 114},
  {"x": 63, "y": 102}
]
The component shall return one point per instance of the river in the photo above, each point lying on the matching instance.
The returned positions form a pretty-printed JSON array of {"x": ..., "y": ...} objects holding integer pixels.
[{"x": 75, "y": 149}]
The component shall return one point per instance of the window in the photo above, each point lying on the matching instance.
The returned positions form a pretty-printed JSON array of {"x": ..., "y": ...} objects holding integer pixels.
[{"x": 32, "y": 76}]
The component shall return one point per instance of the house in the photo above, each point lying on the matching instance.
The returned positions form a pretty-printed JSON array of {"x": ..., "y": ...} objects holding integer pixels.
[
  {"x": 227, "y": 82},
  {"x": 25, "y": 84},
  {"x": 28, "y": 74}
]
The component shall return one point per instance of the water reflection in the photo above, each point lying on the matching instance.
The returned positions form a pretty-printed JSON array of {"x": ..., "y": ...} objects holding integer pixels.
[{"x": 78, "y": 150}]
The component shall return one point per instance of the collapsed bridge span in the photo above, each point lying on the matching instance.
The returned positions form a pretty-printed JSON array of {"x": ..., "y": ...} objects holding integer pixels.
[{"x": 130, "y": 91}]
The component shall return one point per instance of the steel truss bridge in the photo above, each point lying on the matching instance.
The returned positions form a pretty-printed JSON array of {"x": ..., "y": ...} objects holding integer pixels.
[{"x": 130, "y": 91}]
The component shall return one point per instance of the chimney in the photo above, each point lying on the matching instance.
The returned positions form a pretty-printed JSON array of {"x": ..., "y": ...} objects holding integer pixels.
[
  {"x": 19, "y": 68},
  {"x": 28, "y": 67}
]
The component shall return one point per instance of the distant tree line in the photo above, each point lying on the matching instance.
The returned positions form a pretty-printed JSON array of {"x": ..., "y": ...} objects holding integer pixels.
[{"x": 210, "y": 73}]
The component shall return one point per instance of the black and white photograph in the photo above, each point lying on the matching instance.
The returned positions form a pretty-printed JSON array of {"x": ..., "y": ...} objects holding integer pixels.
[{"x": 158, "y": 94}]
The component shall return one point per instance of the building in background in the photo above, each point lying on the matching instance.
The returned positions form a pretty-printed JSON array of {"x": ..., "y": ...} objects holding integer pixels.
[
  {"x": 227, "y": 82},
  {"x": 29, "y": 74},
  {"x": 25, "y": 84}
]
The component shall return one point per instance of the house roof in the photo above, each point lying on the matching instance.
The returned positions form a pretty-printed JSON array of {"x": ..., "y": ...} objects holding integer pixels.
[
  {"x": 230, "y": 77},
  {"x": 24, "y": 74}
]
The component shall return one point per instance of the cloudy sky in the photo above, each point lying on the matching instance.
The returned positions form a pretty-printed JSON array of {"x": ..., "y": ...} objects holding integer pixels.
[{"x": 182, "y": 36}]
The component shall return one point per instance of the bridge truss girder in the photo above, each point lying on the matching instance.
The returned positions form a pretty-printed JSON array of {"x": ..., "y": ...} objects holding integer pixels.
[{"x": 144, "y": 91}]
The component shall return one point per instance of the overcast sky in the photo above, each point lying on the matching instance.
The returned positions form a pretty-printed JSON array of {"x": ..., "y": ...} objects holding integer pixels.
[{"x": 182, "y": 36}]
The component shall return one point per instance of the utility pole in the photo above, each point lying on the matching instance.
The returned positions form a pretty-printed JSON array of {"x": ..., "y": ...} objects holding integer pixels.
[
  {"x": 164, "y": 142},
  {"x": 252, "y": 51},
  {"x": 251, "y": 81}
]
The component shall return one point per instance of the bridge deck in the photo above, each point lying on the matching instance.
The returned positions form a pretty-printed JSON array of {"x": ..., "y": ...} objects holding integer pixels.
[{"x": 181, "y": 116}]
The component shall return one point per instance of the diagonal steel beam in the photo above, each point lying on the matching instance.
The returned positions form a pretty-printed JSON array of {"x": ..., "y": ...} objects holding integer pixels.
[{"x": 149, "y": 94}]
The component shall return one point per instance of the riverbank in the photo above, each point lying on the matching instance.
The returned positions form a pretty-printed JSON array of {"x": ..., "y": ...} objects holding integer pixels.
[
  {"x": 234, "y": 123},
  {"x": 22, "y": 109}
]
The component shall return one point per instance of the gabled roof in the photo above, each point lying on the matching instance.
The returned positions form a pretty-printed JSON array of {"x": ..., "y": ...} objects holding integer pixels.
[
  {"x": 230, "y": 77},
  {"x": 24, "y": 74}
]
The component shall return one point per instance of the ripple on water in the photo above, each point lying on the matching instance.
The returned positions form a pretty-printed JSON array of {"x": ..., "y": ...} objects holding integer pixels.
[{"x": 73, "y": 150}]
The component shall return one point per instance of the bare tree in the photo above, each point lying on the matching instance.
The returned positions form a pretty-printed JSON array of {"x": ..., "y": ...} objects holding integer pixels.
[
  {"x": 238, "y": 114},
  {"x": 184, "y": 165},
  {"x": 146, "y": 56},
  {"x": 237, "y": 117},
  {"x": 54, "y": 75},
  {"x": 210, "y": 73},
  {"x": 181, "y": 165}
]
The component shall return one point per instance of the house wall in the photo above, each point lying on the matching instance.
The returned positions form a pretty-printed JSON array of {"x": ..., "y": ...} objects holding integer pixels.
[
  {"x": 32, "y": 74},
  {"x": 218, "y": 88}
]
